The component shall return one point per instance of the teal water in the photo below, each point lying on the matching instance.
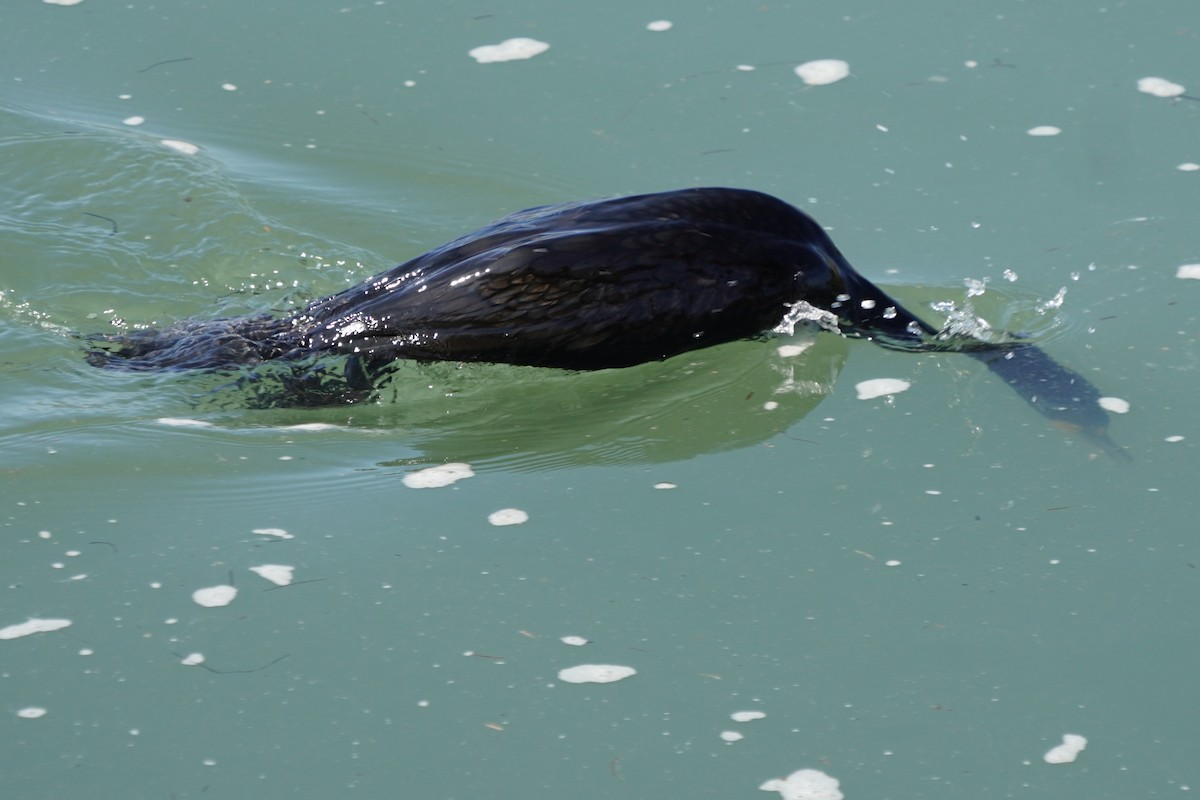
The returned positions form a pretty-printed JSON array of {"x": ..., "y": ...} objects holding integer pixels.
[{"x": 923, "y": 593}]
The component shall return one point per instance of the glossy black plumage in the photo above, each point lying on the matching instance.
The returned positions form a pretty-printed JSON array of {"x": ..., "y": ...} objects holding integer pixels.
[{"x": 600, "y": 284}]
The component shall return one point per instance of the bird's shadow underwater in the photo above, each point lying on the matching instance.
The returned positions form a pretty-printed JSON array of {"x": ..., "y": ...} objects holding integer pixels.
[
  {"x": 588, "y": 287},
  {"x": 723, "y": 398}
]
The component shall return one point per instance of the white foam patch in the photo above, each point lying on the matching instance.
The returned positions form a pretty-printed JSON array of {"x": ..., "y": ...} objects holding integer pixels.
[
  {"x": 192, "y": 659},
  {"x": 229, "y": 87},
  {"x": 182, "y": 422},
  {"x": 214, "y": 596},
  {"x": 595, "y": 673},
  {"x": 805, "y": 784},
  {"x": 62, "y": 2},
  {"x": 732, "y": 736},
  {"x": 508, "y": 50},
  {"x": 313, "y": 426},
  {"x": 1072, "y": 745},
  {"x": 433, "y": 477},
  {"x": 793, "y": 350},
  {"x": 880, "y": 387},
  {"x": 1044, "y": 130},
  {"x": 31, "y": 712},
  {"x": 1160, "y": 87},
  {"x": 823, "y": 71},
  {"x": 278, "y": 533},
  {"x": 179, "y": 145},
  {"x": 660, "y": 25},
  {"x": 32, "y": 626},
  {"x": 278, "y": 574},
  {"x": 134, "y": 121},
  {"x": 1114, "y": 404},
  {"x": 508, "y": 516},
  {"x": 1188, "y": 166},
  {"x": 1188, "y": 272},
  {"x": 665, "y": 485},
  {"x": 746, "y": 716},
  {"x": 574, "y": 641}
]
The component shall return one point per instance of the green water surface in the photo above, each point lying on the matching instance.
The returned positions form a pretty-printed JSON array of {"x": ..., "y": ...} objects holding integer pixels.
[{"x": 923, "y": 592}]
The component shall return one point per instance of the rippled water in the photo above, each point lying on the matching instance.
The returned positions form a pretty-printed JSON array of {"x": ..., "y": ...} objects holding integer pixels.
[{"x": 922, "y": 592}]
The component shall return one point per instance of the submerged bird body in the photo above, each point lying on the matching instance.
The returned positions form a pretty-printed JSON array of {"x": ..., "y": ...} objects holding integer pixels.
[{"x": 596, "y": 285}]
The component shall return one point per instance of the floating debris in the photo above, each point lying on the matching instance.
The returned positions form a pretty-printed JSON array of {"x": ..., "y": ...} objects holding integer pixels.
[
  {"x": 1160, "y": 87},
  {"x": 805, "y": 784},
  {"x": 823, "y": 71},
  {"x": 214, "y": 596},
  {"x": 278, "y": 574},
  {"x": 746, "y": 716},
  {"x": 508, "y": 516},
  {"x": 434, "y": 477},
  {"x": 278, "y": 533},
  {"x": 595, "y": 673},
  {"x": 1072, "y": 745},
  {"x": 880, "y": 387},
  {"x": 32, "y": 626},
  {"x": 1114, "y": 404},
  {"x": 1188, "y": 271},
  {"x": 508, "y": 50}
]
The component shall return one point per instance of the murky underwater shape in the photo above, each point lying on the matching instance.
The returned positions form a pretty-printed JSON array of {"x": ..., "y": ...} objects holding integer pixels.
[{"x": 913, "y": 595}]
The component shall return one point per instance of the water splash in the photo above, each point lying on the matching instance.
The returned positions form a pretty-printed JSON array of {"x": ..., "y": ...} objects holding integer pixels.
[
  {"x": 962, "y": 320},
  {"x": 800, "y": 311},
  {"x": 976, "y": 288},
  {"x": 1054, "y": 303}
]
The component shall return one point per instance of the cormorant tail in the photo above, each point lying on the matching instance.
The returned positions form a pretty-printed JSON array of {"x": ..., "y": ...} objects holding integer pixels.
[{"x": 196, "y": 344}]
